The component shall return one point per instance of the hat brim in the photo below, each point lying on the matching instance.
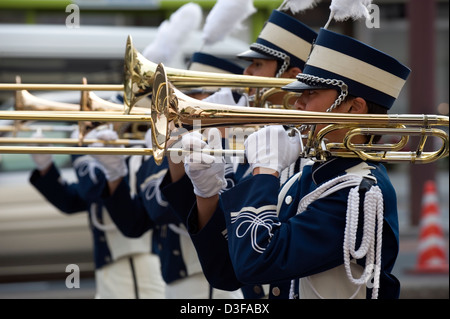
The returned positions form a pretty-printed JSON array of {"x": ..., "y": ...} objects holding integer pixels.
[
  {"x": 298, "y": 86},
  {"x": 249, "y": 55}
]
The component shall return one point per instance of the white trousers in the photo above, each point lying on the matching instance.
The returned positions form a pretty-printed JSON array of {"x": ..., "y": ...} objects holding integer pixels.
[
  {"x": 197, "y": 287},
  {"x": 133, "y": 277}
]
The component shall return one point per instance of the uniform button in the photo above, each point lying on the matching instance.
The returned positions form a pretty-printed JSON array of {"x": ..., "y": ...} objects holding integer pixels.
[
  {"x": 182, "y": 273},
  {"x": 288, "y": 199},
  {"x": 176, "y": 252},
  {"x": 276, "y": 291},
  {"x": 107, "y": 259},
  {"x": 257, "y": 289},
  {"x": 159, "y": 246},
  {"x": 102, "y": 238}
]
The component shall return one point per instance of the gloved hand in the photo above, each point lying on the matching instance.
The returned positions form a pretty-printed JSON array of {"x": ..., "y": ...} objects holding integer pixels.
[
  {"x": 207, "y": 172},
  {"x": 148, "y": 139},
  {"x": 225, "y": 96},
  {"x": 91, "y": 135},
  {"x": 272, "y": 147},
  {"x": 114, "y": 165},
  {"x": 41, "y": 161}
]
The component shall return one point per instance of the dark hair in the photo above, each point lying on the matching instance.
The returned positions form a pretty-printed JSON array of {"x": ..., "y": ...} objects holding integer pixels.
[{"x": 373, "y": 108}]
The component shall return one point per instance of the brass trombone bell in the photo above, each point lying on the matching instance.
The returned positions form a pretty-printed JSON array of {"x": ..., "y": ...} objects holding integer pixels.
[
  {"x": 24, "y": 101},
  {"x": 140, "y": 73},
  {"x": 89, "y": 101}
]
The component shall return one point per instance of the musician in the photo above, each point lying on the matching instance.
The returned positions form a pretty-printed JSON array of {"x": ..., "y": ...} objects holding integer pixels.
[
  {"x": 125, "y": 268},
  {"x": 308, "y": 230},
  {"x": 272, "y": 55},
  {"x": 148, "y": 209}
]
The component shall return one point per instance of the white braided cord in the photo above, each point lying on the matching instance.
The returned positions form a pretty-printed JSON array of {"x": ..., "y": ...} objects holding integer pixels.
[{"x": 373, "y": 219}]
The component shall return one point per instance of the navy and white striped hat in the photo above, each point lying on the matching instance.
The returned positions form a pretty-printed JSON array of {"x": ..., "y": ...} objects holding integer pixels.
[
  {"x": 284, "y": 38},
  {"x": 365, "y": 71},
  {"x": 205, "y": 62}
]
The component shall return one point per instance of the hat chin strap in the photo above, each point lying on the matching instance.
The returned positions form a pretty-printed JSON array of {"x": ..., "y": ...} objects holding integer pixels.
[
  {"x": 315, "y": 80},
  {"x": 276, "y": 54}
]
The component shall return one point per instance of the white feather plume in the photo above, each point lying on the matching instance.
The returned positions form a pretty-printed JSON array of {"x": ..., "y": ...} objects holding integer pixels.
[
  {"x": 297, "y": 5},
  {"x": 224, "y": 17},
  {"x": 342, "y": 10},
  {"x": 173, "y": 32}
]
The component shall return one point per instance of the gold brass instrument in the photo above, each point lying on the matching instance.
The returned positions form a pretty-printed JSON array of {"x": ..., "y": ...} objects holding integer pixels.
[
  {"x": 25, "y": 101},
  {"x": 170, "y": 106},
  {"x": 93, "y": 109},
  {"x": 140, "y": 74}
]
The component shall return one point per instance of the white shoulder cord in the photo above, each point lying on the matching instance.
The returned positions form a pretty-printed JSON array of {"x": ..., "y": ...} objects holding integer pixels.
[
  {"x": 96, "y": 222},
  {"x": 373, "y": 209},
  {"x": 86, "y": 166},
  {"x": 373, "y": 213},
  {"x": 178, "y": 230}
]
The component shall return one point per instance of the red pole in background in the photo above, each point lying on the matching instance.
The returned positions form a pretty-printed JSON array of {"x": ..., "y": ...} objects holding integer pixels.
[{"x": 422, "y": 91}]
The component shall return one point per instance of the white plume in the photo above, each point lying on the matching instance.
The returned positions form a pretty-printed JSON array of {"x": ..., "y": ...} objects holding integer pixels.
[
  {"x": 342, "y": 10},
  {"x": 225, "y": 16},
  {"x": 173, "y": 32},
  {"x": 297, "y": 5}
]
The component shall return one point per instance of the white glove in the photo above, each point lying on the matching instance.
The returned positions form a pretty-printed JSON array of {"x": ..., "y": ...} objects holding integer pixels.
[
  {"x": 114, "y": 165},
  {"x": 225, "y": 96},
  {"x": 92, "y": 135},
  {"x": 272, "y": 147},
  {"x": 207, "y": 172},
  {"x": 41, "y": 161},
  {"x": 148, "y": 138}
]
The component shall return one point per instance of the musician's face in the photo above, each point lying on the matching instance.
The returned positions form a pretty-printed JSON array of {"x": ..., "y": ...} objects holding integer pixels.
[
  {"x": 320, "y": 101},
  {"x": 316, "y": 100},
  {"x": 262, "y": 67}
]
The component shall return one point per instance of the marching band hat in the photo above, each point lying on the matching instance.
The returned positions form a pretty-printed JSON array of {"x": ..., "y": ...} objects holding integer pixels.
[
  {"x": 283, "y": 38},
  {"x": 205, "y": 62},
  {"x": 366, "y": 71},
  {"x": 208, "y": 63}
]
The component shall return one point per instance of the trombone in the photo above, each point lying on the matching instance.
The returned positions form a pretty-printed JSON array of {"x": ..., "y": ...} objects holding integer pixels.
[
  {"x": 25, "y": 101},
  {"x": 170, "y": 106}
]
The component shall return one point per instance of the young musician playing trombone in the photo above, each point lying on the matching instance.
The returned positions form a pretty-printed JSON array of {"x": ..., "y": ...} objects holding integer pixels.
[
  {"x": 125, "y": 268},
  {"x": 332, "y": 229},
  {"x": 148, "y": 209},
  {"x": 270, "y": 56}
]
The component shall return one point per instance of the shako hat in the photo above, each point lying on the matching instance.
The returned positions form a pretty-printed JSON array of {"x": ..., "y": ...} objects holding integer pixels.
[
  {"x": 338, "y": 61},
  {"x": 283, "y": 38},
  {"x": 205, "y": 62}
]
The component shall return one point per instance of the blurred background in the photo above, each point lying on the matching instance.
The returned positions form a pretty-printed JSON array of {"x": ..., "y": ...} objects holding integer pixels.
[{"x": 37, "y": 44}]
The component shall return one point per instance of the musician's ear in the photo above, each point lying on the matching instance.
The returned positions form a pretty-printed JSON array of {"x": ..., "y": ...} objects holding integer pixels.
[
  {"x": 358, "y": 106},
  {"x": 291, "y": 72}
]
